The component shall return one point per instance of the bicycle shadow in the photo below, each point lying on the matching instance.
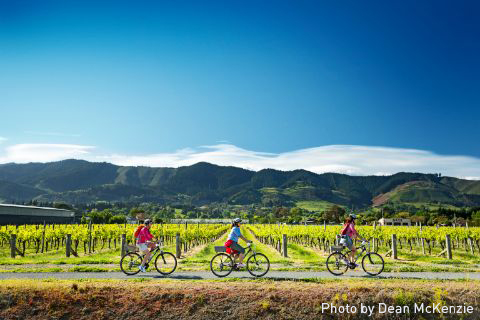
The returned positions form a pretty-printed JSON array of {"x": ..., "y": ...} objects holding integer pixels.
[
  {"x": 389, "y": 277},
  {"x": 172, "y": 276}
]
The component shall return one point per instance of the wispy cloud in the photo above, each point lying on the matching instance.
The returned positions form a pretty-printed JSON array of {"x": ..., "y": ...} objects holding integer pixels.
[
  {"x": 3, "y": 139},
  {"x": 24, "y": 153},
  {"x": 355, "y": 160}
]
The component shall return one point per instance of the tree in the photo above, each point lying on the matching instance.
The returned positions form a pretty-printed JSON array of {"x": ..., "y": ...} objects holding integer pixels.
[
  {"x": 403, "y": 215},
  {"x": 418, "y": 219},
  {"x": 295, "y": 215},
  {"x": 476, "y": 218},
  {"x": 334, "y": 214},
  {"x": 61, "y": 205},
  {"x": 136, "y": 211},
  {"x": 118, "y": 219}
]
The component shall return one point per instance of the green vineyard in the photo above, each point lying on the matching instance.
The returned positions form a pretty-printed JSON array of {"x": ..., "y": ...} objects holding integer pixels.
[
  {"x": 413, "y": 238},
  {"x": 89, "y": 238}
]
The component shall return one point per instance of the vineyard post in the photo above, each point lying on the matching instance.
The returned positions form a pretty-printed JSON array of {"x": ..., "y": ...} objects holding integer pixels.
[
  {"x": 394, "y": 246},
  {"x": 13, "y": 241},
  {"x": 68, "y": 245},
  {"x": 470, "y": 242},
  {"x": 423, "y": 245},
  {"x": 124, "y": 244},
  {"x": 324, "y": 225},
  {"x": 178, "y": 246},
  {"x": 284, "y": 243},
  {"x": 449, "y": 247},
  {"x": 90, "y": 236},
  {"x": 43, "y": 235}
]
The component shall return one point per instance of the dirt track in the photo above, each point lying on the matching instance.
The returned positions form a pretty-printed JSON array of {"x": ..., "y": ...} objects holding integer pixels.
[{"x": 276, "y": 275}]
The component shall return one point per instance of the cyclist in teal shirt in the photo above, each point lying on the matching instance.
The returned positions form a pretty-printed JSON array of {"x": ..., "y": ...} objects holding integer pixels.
[{"x": 232, "y": 241}]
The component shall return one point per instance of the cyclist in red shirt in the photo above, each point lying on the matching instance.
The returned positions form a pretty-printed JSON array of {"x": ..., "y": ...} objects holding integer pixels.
[{"x": 144, "y": 242}]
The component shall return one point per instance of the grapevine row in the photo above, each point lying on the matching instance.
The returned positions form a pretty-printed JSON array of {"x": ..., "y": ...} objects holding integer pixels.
[
  {"x": 51, "y": 237},
  {"x": 323, "y": 237}
]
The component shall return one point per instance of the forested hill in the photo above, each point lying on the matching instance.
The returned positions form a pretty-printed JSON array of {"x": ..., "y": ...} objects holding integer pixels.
[{"x": 78, "y": 181}]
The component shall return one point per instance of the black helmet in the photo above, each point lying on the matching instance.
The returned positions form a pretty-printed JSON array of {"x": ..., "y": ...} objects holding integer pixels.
[
  {"x": 147, "y": 221},
  {"x": 353, "y": 215}
]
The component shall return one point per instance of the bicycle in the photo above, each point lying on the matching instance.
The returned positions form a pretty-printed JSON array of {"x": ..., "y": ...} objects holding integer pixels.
[
  {"x": 165, "y": 262},
  {"x": 338, "y": 263},
  {"x": 222, "y": 264}
]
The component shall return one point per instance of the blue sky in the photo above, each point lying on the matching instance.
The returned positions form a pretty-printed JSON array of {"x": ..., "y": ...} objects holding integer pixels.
[{"x": 142, "y": 78}]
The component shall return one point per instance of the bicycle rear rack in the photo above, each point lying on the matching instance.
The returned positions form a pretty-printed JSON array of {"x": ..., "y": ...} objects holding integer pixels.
[
  {"x": 220, "y": 249},
  {"x": 336, "y": 248}
]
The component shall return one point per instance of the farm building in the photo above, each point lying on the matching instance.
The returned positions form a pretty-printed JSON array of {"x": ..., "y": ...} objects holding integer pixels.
[
  {"x": 16, "y": 214},
  {"x": 394, "y": 222}
]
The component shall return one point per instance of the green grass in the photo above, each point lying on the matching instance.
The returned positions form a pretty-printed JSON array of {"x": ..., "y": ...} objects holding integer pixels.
[
  {"x": 315, "y": 205},
  {"x": 106, "y": 256},
  {"x": 430, "y": 206},
  {"x": 270, "y": 190},
  {"x": 303, "y": 254}
]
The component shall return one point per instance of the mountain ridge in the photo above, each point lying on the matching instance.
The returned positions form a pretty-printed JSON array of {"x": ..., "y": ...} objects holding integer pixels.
[{"x": 79, "y": 181}]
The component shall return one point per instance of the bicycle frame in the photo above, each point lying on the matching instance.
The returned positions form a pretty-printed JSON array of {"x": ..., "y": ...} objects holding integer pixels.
[
  {"x": 364, "y": 249},
  {"x": 248, "y": 250},
  {"x": 156, "y": 251}
]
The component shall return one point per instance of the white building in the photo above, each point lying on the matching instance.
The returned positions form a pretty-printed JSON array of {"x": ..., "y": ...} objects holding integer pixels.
[{"x": 394, "y": 222}]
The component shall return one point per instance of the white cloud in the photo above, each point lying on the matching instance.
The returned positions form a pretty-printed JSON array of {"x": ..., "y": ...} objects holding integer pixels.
[
  {"x": 354, "y": 160},
  {"x": 23, "y": 153},
  {"x": 3, "y": 139}
]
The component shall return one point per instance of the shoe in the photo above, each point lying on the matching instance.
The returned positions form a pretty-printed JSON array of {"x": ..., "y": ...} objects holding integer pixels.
[
  {"x": 142, "y": 269},
  {"x": 352, "y": 265},
  {"x": 241, "y": 265}
]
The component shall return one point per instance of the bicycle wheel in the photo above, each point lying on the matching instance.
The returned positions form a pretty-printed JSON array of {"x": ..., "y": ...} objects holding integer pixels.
[
  {"x": 373, "y": 264},
  {"x": 130, "y": 263},
  {"x": 221, "y": 265},
  {"x": 165, "y": 263},
  {"x": 258, "y": 265},
  {"x": 337, "y": 263}
]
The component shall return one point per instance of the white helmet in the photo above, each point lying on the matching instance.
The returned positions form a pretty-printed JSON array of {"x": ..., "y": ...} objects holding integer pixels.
[{"x": 237, "y": 220}]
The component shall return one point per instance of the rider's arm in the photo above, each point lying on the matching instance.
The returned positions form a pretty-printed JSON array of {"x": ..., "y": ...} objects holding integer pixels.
[{"x": 245, "y": 239}]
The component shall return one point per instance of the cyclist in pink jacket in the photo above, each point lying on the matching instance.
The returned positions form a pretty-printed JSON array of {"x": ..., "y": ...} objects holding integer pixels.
[{"x": 349, "y": 233}]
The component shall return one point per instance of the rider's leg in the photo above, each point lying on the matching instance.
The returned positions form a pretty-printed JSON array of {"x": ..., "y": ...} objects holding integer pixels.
[
  {"x": 146, "y": 257},
  {"x": 241, "y": 256},
  {"x": 352, "y": 254}
]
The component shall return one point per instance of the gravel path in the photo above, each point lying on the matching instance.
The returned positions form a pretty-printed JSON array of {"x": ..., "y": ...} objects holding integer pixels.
[{"x": 279, "y": 275}]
